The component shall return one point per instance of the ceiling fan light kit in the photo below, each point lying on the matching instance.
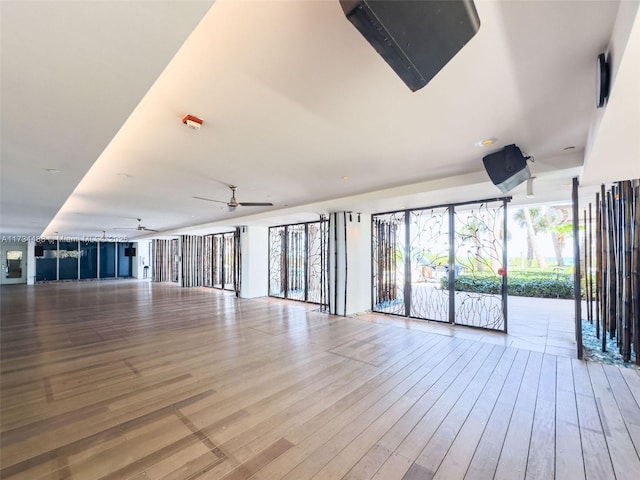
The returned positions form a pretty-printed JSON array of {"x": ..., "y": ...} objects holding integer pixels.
[
  {"x": 139, "y": 228},
  {"x": 233, "y": 202}
]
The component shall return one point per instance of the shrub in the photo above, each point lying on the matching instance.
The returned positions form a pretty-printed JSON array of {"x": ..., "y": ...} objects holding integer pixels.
[{"x": 522, "y": 284}]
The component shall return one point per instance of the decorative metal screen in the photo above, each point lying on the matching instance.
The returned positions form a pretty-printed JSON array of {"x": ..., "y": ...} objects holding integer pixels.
[
  {"x": 388, "y": 263},
  {"x": 478, "y": 258},
  {"x": 427, "y": 263},
  {"x": 277, "y": 268},
  {"x": 318, "y": 248},
  {"x": 207, "y": 261},
  {"x": 175, "y": 257},
  {"x": 229, "y": 261},
  {"x": 219, "y": 261},
  {"x": 430, "y": 264},
  {"x": 298, "y": 262},
  {"x": 216, "y": 255}
]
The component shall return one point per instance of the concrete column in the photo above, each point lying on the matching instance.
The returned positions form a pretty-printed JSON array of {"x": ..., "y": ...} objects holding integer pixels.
[{"x": 254, "y": 249}]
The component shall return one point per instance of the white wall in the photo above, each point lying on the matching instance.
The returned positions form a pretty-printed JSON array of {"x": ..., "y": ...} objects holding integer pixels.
[
  {"x": 141, "y": 259},
  {"x": 358, "y": 264},
  {"x": 254, "y": 248},
  {"x": 613, "y": 129},
  {"x": 31, "y": 262},
  {"x": 353, "y": 272}
]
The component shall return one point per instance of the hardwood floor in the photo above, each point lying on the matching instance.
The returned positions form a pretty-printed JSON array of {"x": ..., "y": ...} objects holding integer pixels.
[{"x": 133, "y": 380}]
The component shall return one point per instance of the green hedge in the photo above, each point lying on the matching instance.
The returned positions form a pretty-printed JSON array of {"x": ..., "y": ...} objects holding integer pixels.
[{"x": 527, "y": 285}]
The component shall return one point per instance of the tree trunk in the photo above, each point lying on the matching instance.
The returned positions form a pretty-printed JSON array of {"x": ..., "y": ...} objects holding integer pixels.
[
  {"x": 557, "y": 247},
  {"x": 532, "y": 236}
]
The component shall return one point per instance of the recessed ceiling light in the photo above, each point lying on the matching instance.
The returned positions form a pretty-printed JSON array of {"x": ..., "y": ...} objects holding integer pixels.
[
  {"x": 52, "y": 170},
  {"x": 486, "y": 142},
  {"x": 345, "y": 178}
]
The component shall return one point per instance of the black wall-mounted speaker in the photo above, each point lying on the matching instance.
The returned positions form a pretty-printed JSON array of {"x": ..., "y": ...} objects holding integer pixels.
[
  {"x": 39, "y": 251},
  {"x": 415, "y": 37},
  {"x": 507, "y": 168},
  {"x": 130, "y": 252}
]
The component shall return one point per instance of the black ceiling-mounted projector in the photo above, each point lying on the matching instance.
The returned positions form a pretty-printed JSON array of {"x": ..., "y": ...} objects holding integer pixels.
[
  {"x": 415, "y": 37},
  {"x": 507, "y": 168}
]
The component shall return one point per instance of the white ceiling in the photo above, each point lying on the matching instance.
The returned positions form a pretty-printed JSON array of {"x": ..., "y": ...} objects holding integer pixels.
[{"x": 293, "y": 100}]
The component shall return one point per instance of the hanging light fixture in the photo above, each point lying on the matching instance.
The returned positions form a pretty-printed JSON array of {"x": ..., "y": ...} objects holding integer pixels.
[{"x": 530, "y": 187}]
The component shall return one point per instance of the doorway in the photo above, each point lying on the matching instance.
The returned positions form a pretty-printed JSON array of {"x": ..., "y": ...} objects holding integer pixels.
[{"x": 14, "y": 263}]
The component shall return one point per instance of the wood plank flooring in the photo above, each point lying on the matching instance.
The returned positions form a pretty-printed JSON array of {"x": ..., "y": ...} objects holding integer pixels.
[{"x": 133, "y": 380}]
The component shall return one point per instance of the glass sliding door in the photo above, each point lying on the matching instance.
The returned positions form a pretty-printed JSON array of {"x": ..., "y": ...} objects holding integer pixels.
[
  {"x": 125, "y": 262},
  {"x": 107, "y": 260},
  {"x": 298, "y": 262},
  {"x": 444, "y": 263},
  {"x": 430, "y": 264},
  {"x": 68, "y": 260},
  {"x": 88, "y": 260},
  {"x": 175, "y": 260},
  {"x": 479, "y": 248},
  {"x": 228, "y": 261},
  {"x": 318, "y": 248},
  {"x": 389, "y": 252},
  {"x": 277, "y": 265},
  {"x": 207, "y": 261},
  {"x": 46, "y": 261},
  {"x": 219, "y": 261}
]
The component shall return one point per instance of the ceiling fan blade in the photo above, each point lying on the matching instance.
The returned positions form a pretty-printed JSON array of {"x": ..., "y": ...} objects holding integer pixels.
[
  {"x": 256, "y": 204},
  {"x": 208, "y": 199},
  {"x": 149, "y": 229},
  {"x": 123, "y": 228}
]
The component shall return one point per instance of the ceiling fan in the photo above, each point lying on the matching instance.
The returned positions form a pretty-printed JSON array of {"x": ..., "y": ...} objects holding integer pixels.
[
  {"x": 233, "y": 203},
  {"x": 138, "y": 228}
]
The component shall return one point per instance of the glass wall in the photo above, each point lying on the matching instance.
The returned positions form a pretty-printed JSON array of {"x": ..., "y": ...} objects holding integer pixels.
[
  {"x": 428, "y": 263},
  {"x": 389, "y": 241},
  {"x": 125, "y": 263},
  {"x": 277, "y": 265},
  {"x": 219, "y": 261},
  {"x": 47, "y": 262},
  {"x": 298, "y": 262},
  {"x": 229, "y": 261},
  {"x": 68, "y": 260},
  {"x": 107, "y": 260},
  {"x": 88, "y": 260},
  {"x": 73, "y": 260}
]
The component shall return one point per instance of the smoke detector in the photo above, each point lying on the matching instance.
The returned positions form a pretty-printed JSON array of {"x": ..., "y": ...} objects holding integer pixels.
[{"x": 192, "y": 121}]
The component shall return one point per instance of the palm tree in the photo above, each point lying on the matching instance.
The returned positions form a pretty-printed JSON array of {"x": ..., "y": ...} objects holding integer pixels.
[{"x": 531, "y": 218}]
